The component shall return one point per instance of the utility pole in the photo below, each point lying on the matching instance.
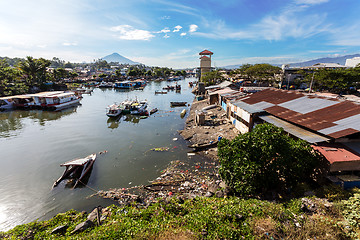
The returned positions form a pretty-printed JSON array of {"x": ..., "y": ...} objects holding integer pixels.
[{"x": 311, "y": 83}]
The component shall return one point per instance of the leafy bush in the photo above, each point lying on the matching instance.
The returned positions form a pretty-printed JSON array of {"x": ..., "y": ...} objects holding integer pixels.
[{"x": 265, "y": 159}]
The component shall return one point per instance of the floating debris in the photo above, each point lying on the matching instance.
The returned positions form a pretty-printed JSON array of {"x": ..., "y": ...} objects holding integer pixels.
[{"x": 160, "y": 149}]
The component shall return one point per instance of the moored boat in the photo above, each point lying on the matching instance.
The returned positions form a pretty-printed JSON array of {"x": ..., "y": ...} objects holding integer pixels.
[
  {"x": 124, "y": 85},
  {"x": 57, "y": 100},
  {"x": 154, "y": 110},
  {"x": 6, "y": 103},
  {"x": 114, "y": 110},
  {"x": 139, "y": 108},
  {"x": 177, "y": 104},
  {"x": 160, "y": 92}
]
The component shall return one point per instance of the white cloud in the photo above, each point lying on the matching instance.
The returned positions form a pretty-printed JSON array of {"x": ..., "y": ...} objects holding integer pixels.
[
  {"x": 177, "y": 28},
  {"x": 128, "y": 32},
  {"x": 182, "y": 34},
  {"x": 70, "y": 44},
  {"x": 311, "y": 2},
  {"x": 291, "y": 22},
  {"x": 346, "y": 35},
  {"x": 166, "y": 36},
  {"x": 165, "y": 17},
  {"x": 165, "y": 30},
  {"x": 193, "y": 28}
]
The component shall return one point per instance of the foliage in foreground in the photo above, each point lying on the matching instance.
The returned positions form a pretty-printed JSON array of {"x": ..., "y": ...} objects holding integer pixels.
[
  {"x": 200, "y": 218},
  {"x": 265, "y": 159}
]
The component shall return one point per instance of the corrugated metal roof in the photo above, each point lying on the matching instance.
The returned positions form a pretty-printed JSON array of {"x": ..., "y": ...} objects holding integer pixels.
[
  {"x": 305, "y": 105},
  {"x": 295, "y": 130},
  {"x": 247, "y": 107},
  {"x": 222, "y": 91},
  {"x": 329, "y": 116}
]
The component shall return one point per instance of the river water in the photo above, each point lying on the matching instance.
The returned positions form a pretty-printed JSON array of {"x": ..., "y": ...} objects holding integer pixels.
[{"x": 34, "y": 143}]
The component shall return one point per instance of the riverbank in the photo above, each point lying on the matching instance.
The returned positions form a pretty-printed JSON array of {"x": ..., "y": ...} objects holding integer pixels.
[
  {"x": 215, "y": 124},
  {"x": 189, "y": 201}
]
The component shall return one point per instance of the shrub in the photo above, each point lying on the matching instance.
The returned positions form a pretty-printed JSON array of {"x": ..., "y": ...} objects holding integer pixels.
[{"x": 264, "y": 160}]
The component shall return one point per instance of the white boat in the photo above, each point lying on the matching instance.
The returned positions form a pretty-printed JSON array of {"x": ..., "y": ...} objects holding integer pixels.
[
  {"x": 114, "y": 110},
  {"x": 56, "y": 100},
  {"x": 139, "y": 108},
  {"x": 6, "y": 103}
]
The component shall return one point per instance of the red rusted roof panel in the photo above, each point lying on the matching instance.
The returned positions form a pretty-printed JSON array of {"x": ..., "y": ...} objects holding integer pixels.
[
  {"x": 274, "y": 96},
  {"x": 337, "y": 153}
]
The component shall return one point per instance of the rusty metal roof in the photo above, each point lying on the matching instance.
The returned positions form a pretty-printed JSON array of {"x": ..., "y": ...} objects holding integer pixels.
[
  {"x": 329, "y": 116},
  {"x": 295, "y": 130}
]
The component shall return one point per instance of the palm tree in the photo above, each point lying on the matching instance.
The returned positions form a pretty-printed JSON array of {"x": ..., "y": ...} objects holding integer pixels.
[{"x": 34, "y": 70}]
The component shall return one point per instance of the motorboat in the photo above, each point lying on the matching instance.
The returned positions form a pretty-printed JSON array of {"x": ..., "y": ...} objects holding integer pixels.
[{"x": 114, "y": 110}]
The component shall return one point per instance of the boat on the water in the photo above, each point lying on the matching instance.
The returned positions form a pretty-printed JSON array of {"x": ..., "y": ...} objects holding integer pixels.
[
  {"x": 154, "y": 110},
  {"x": 177, "y": 104},
  {"x": 139, "y": 108},
  {"x": 160, "y": 92},
  {"x": 78, "y": 170},
  {"x": 6, "y": 103},
  {"x": 114, "y": 110},
  {"x": 124, "y": 85},
  {"x": 56, "y": 101}
]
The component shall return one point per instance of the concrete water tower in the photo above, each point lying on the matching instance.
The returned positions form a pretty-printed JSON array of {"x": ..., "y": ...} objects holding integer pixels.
[{"x": 205, "y": 61}]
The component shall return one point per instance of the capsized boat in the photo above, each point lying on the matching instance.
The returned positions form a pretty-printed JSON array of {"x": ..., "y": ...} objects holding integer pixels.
[
  {"x": 77, "y": 169},
  {"x": 114, "y": 110}
]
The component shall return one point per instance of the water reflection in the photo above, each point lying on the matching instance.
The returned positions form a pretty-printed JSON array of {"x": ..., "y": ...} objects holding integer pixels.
[
  {"x": 114, "y": 122},
  {"x": 12, "y": 121}
]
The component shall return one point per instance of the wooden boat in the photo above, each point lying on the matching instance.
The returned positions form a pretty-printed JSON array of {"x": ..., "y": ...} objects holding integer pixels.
[
  {"x": 177, "y": 104},
  {"x": 6, "y": 103},
  {"x": 114, "y": 110},
  {"x": 169, "y": 87},
  {"x": 77, "y": 169},
  {"x": 154, "y": 110},
  {"x": 160, "y": 92},
  {"x": 199, "y": 147}
]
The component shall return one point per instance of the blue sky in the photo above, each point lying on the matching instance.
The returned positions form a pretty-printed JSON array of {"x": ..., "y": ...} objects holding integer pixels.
[{"x": 172, "y": 33}]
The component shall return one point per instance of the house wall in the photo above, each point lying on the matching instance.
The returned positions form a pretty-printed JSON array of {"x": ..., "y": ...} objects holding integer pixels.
[{"x": 242, "y": 120}]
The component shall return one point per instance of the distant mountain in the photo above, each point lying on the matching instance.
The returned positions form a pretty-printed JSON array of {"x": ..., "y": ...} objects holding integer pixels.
[
  {"x": 115, "y": 57},
  {"x": 340, "y": 60}
]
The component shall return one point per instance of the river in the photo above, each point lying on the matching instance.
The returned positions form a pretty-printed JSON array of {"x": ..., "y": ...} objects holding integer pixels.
[{"x": 33, "y": 144}]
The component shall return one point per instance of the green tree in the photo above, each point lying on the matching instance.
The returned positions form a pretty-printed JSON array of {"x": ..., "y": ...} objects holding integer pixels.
[
  {"x": 262, "y": 72},
  {"x": 265, "y": 159},
  {"x": 59, "y": 74},
  {"x": 211, "y": 78},
  {"x": 34, "y": 70},
  {"x": 10, "y": 82}
]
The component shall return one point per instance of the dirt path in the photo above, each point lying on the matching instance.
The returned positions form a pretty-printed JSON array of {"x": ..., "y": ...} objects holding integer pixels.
[{"x": 216, "y": 124}]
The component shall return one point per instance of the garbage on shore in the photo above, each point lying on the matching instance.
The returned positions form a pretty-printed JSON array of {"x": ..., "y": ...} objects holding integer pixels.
[{"x": 179, "y": 179}]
